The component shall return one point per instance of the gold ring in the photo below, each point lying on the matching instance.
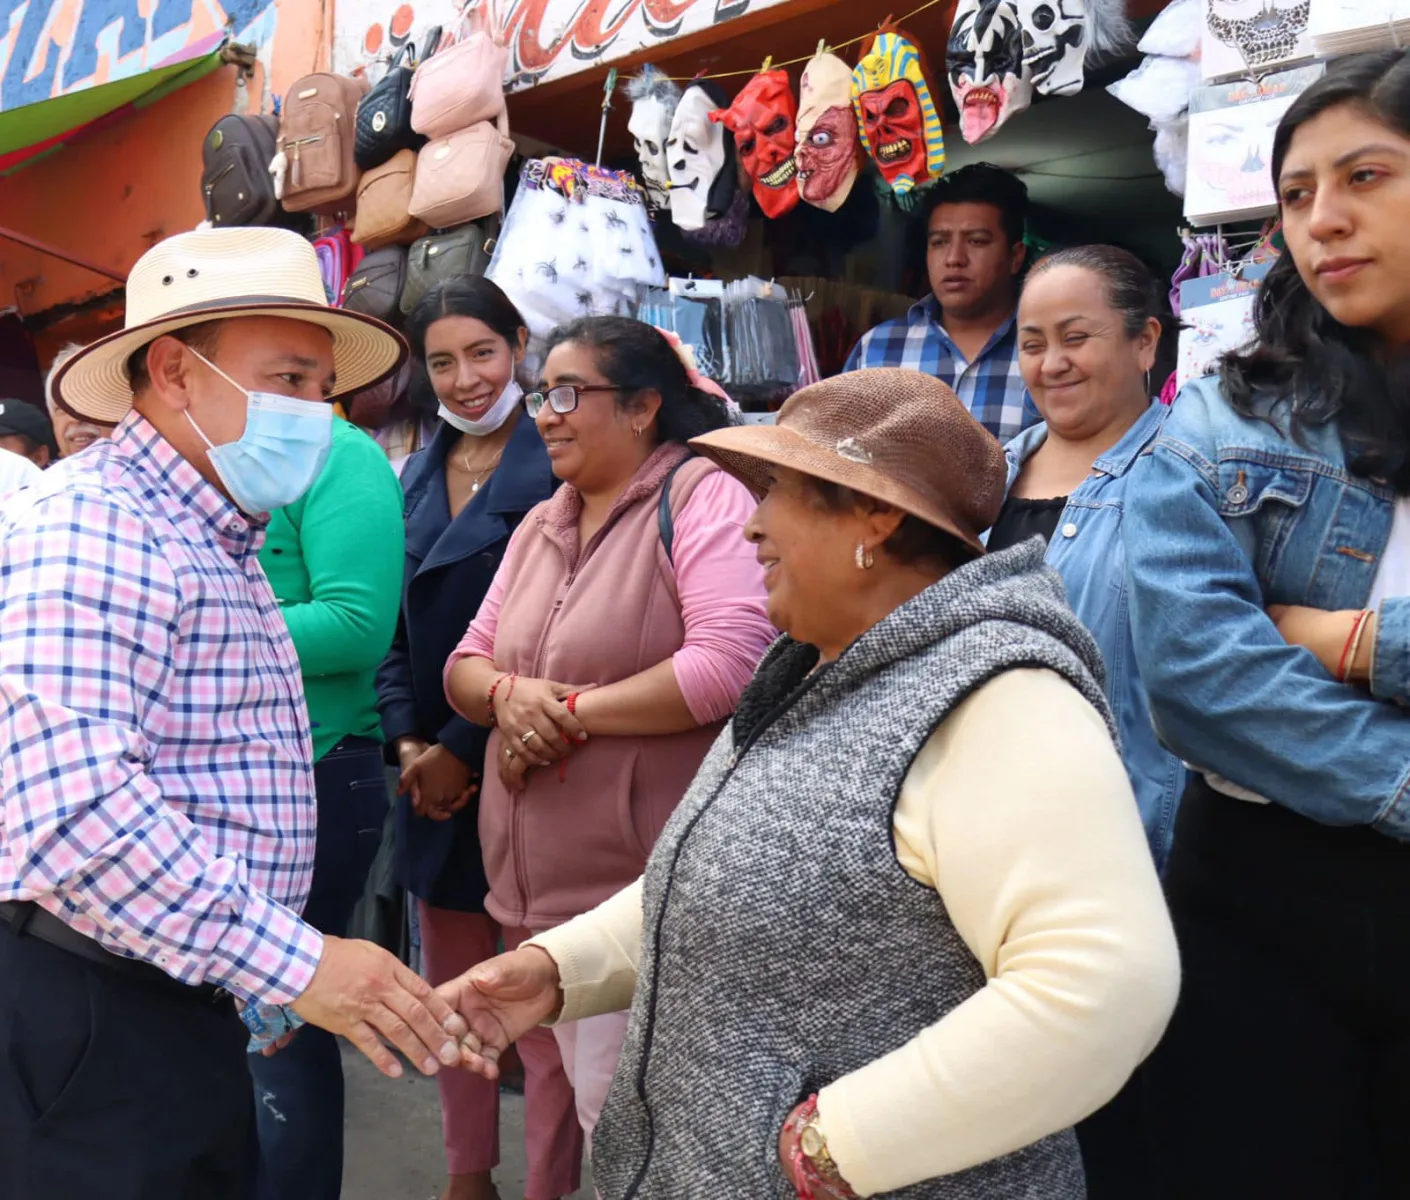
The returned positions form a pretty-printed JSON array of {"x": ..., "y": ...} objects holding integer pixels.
[{"x": 530, "y": 736}]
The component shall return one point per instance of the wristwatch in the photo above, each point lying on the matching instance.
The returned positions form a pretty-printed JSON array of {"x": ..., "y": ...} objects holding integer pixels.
[{"x": 813, "y": 1142}]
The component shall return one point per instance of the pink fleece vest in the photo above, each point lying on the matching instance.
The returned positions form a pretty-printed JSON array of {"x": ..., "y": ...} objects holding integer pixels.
[{"x": 591, "y": 615}]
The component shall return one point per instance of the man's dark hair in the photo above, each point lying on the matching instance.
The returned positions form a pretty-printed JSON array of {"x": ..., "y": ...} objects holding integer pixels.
[
  {"x": 201, "y": 338},
  {"x": 984, "y": 183}
]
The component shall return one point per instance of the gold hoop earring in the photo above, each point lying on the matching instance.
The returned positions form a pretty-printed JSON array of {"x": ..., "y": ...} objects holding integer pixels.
[
  {"x": 636, "y": 431},
  {"x": 865, "y": 560}
]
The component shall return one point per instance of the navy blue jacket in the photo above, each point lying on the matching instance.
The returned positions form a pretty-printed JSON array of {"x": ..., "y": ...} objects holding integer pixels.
[{"x": 449, "y": 568}]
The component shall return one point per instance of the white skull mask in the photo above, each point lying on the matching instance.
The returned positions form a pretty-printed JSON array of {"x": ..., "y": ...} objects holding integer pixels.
[
  {"x": 695, "y": 155},
  {"x": 654, "y": 104},
  {"x": 1055, "y": 43}
]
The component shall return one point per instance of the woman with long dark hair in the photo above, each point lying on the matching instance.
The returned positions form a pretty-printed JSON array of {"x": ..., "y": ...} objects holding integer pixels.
[
  {"x": 466, "y": 493},
  {"x": 1268, "y": 540},
  {"x": 620, "y": 630}
]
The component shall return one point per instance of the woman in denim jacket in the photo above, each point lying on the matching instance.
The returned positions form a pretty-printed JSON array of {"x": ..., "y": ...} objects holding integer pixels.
[
  {"x": 1089, "y": 330},
  {"x": 1268, "y": 542}
]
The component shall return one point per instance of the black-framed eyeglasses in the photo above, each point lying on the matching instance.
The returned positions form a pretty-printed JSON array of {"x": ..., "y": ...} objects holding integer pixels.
[{"x": 563, "y": 399}]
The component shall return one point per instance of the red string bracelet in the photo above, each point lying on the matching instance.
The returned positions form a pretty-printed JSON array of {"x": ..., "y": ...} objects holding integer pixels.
[
  {"x": 571, "y": 704},
  {"x": 1353, "y": 641},
  {"x": 494, "y": 687}
]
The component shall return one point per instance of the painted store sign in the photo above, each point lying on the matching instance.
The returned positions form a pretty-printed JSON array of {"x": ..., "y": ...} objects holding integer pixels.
[
  {"x": 547, "y": 39},
  {"x": 51, "y": 47}
]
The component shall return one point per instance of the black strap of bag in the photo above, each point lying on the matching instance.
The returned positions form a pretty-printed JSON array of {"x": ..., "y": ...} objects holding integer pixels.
[{"x": 665, "y": 522}]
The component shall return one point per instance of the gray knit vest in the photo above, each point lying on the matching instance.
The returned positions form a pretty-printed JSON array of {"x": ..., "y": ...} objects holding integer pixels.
[{"x": 783, "y": 946}]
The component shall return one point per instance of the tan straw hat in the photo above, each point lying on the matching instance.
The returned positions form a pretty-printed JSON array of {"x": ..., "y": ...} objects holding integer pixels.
[
  {"x": 895, "y": 435},
  {"x": 213, "y": 274}
]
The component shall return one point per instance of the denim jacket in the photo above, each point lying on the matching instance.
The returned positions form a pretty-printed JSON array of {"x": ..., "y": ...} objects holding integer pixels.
[
  {"x": 1229, "y": 515},
  {"x": 1086, "y": 551}
]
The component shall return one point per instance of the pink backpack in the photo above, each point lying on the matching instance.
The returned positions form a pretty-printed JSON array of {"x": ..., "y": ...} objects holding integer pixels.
[
  {"x": 459, "y": 86},
  {"x": 338, "y": 255}
]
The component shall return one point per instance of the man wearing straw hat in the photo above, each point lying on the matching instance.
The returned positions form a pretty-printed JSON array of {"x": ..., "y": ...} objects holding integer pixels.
[{"x": 156, "y": 785}]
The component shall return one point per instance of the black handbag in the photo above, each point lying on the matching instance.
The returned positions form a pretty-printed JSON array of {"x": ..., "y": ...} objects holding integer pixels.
[
  {"x": 375, "y": 287},
  {"x": 465, "y": 250},
  {"x": 383, "y": 124}
]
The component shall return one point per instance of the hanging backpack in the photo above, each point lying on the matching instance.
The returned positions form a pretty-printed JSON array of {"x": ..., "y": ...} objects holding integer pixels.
[
  {"x": 460, "y": 178},
  {"x": 459, "y": 86},
  {"x": 317, "y": 135},
  {"x": 337, "y": 257},
  {"x": 375, "y": 287},
  {"x": 383, "y": 203},
  {"x": 235, "y": 180},
  {"x": 384, "y": 114},
  {"x": 434, "y": 259}
]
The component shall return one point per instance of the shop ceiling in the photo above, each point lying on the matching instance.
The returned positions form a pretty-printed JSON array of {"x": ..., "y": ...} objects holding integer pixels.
[{"x": 1086, "y": 155}]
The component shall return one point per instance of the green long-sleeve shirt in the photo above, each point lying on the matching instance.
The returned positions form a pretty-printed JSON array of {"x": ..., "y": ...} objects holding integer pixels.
[{"x": 335, "y": 560}]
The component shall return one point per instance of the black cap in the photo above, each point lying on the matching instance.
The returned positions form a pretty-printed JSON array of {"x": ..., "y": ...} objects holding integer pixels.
[{"x": 27, "y": 420}]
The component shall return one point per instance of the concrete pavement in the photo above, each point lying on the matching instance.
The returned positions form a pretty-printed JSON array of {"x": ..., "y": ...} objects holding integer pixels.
[{"x": 393, "y": 1144}]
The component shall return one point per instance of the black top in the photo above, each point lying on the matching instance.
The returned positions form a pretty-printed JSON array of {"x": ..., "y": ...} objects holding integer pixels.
[{"x": 1021, "y": 518}]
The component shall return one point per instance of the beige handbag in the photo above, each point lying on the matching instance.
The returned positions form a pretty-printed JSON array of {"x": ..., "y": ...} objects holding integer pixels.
[
  {"x": 383, "y": 204},
  {"x": 460, "y": 178}
]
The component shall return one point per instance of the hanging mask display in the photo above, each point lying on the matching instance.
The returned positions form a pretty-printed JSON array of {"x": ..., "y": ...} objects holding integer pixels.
[
  {"x": 762, "y": 119},
  {"x": 826, "y": 133},
  {"x": 896, "y": 116},
  {"x": 654, "y": 98},
  {"x": 1002, "y": 51},
  {"x": 700, "y": 158},
  {"x": 984, "y": 61}
]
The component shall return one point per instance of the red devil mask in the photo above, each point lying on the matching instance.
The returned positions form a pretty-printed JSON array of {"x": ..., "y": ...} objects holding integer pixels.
[{"x": 762, "y": 120}]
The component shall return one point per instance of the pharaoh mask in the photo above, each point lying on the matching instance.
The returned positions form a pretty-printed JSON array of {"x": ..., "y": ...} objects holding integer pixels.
[
  {"x": 654, "y": 98},
  {"x": 827, "y": 153},
  {"x": 985, "y": 65},
  {"x": 896, "y": 116},
  {"x": 762, "y": 118},
  {"x": 700, "y": 159}
]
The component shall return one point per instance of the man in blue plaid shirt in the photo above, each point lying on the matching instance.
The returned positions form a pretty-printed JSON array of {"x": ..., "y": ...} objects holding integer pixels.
[{"x": 964, "y": 331}]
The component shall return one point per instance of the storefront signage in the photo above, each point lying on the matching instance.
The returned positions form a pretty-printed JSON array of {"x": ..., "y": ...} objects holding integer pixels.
[
  {"x": 52, "y": 47},
  {"x": 547, "y": 39}
]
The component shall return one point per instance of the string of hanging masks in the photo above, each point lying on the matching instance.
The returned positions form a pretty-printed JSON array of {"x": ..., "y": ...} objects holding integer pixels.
[{"x": 694, "y": 145}]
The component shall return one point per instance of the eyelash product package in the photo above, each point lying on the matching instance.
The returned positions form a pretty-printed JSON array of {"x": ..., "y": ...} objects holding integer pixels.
[
  {"x": 1231, "y": 145},
  {"x": 1216, "y": 316}
]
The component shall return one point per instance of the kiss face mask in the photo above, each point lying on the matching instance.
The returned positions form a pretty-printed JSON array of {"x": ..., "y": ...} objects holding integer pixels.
[
  {"x": 896, "y": 116},
  {"x": 828, "y": 147},
  {"x": 985, "y": 63},
  {"x": 762, "y": 119},
  {"x": 700, "y": 159},
  {"x": 654, "y": 98}
]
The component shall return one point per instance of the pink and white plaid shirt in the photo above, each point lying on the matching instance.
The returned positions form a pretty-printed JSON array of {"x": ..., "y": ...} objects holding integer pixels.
[{"x": 156, "y": 778}]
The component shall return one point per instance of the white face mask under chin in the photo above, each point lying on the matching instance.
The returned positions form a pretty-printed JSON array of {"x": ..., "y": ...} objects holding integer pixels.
[{"x": 493, "y": 420}]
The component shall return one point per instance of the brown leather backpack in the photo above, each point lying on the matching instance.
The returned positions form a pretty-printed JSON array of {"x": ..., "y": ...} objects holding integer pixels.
[{"x": 317, "y": 137}]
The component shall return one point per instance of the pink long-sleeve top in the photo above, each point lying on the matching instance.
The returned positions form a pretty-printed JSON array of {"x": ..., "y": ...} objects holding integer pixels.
[{"x": 597, "y": 614}]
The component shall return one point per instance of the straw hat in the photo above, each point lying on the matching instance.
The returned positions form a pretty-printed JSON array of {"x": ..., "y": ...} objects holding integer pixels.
[
  {"x": 896, "y": 435},
  {"x": 212, "y": 274}
]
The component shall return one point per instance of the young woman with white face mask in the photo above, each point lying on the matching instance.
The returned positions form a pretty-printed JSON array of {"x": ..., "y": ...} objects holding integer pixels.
[{"x": 466, "y": 493}]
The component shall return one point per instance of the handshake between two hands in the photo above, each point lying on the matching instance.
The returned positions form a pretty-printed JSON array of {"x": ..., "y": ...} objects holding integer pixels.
[{"x": 363, "y": 993}]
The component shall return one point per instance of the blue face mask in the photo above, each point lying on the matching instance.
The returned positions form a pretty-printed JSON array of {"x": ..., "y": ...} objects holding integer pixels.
[{"x": 280, "y": 454}]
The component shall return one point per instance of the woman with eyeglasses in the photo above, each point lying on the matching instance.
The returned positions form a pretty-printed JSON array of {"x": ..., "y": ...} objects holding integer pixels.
[
  {"x": 483, "y": 469},
  {"x": 619, "y": 632}
]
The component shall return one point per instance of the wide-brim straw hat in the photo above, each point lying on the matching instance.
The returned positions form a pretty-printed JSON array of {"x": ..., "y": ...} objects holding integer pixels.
[
  {"x": 211, "y": 275},
  {"x": 896, "y": 435}
]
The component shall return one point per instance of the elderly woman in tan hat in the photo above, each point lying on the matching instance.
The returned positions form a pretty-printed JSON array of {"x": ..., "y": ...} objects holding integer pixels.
[{"x": 884, "y": 945}]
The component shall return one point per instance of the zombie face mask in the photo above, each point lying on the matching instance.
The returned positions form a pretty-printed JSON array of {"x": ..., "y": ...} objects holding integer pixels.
[
  {"x": 896, "y": 116},
  {"x": 698, "y": 151},
  {"x": 984, "y": 61},
  {"x": 762, "y": 119},
  {"x": 654, "y": 98},
  {"x": 827, "y": 153}
]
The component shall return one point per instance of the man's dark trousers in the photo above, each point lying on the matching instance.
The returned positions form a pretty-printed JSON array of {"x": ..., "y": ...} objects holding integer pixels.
[{"x": 115, "y": 1087}]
